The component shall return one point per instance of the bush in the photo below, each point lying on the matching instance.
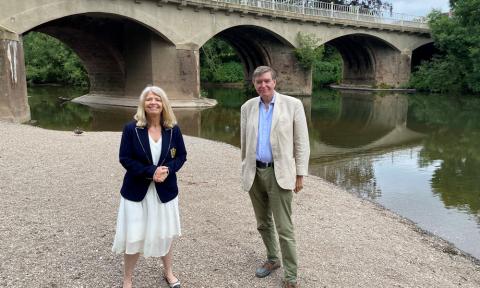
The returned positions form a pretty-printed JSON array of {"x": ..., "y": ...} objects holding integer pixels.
[
  {"x": 438, "y": 75},
  {"x": 229, "y": 72},
  {"x": 309, "y": 50},
  {"x": 329, "y": 69}
]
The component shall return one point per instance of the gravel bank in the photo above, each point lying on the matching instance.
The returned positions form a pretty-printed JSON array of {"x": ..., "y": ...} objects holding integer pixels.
[{"x": 59, "y": 199}]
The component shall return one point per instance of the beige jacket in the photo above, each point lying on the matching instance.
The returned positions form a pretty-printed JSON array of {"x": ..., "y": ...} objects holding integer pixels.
[{"x": 288, "y": 139}]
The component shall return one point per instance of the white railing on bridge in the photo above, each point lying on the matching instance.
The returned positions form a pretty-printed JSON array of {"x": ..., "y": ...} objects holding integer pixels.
[{"x": 314, "y": 8}]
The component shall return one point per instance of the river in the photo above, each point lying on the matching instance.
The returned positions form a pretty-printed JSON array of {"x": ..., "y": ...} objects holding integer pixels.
[{"x": 415, "y": 154}]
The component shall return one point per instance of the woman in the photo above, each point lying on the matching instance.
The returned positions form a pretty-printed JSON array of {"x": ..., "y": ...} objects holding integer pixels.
[{"x": 152, "y": 151}]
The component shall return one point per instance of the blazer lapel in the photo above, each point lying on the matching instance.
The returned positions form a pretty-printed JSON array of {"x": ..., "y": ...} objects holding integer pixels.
[
  {"x": 143, "y": 135},
  {"x": 276, "y": 112},
  {"x": 254, "y": 118},
  {"x": 165, "y": 143}
]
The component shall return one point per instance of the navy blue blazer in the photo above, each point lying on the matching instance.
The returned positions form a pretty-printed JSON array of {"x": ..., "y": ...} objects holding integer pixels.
[{"x": 136, "y": 158}]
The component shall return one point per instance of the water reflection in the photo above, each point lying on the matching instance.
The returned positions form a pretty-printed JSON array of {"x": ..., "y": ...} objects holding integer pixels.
[
  {"x": 417, "y": 155},
  {"x": 420, "y": 159},
  {"x": 454, "y": 140},
  {"x": 50, "y": 112},
  {"x": 349, "y": 130}
]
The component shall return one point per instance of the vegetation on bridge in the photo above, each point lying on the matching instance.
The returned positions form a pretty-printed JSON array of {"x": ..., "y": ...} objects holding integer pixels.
[{"x": 457, "y": 67}]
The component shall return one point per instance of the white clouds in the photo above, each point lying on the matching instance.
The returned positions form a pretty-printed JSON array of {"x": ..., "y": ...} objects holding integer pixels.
[{"x": 419, "y": 7}]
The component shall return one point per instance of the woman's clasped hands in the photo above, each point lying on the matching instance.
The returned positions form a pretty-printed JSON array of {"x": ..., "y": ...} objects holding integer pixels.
[{"x": 160, "y": 174}]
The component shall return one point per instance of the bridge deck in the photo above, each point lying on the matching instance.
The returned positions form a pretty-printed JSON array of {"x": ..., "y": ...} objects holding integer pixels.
[{"x": 315, "y": 11}]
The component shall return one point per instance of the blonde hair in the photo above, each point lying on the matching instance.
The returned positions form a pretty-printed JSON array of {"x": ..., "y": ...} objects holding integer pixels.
[{"x": 167, "y": 119}]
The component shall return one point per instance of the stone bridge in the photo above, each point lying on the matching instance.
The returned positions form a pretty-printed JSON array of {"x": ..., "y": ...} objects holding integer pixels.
[{"x": 127, "y": 44}]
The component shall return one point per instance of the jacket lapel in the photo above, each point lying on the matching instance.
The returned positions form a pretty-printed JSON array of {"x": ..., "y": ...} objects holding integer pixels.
[
  {"x": 255, "y": 117},
  {"x": 143, "y": 135},
  {"x": 276, "y": 112},
  {"x": 165, "y": 143}
]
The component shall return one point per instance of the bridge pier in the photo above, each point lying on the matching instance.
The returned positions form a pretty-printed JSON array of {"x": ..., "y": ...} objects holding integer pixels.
[
  {"x": 149, "y": 59},
  {"x": 145, "y": 58},
  {"x": 13, "y": 87},
  {"x": 292, "y": 79},
  {"x": 392, "y": 67}
]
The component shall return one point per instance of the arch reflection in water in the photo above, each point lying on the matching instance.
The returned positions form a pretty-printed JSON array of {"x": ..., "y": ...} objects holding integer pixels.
[{"x": 358, "y": 127}]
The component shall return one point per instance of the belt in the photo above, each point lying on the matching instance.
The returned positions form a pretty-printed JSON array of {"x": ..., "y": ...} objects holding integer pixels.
[{"x": 261, "y": 164}]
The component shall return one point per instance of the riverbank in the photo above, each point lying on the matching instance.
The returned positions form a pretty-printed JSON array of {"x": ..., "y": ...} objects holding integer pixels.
[{"x": 59, "y": 204}]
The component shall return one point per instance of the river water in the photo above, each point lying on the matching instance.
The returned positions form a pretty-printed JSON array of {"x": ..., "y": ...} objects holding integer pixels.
[{"x": 417, "y": 155}]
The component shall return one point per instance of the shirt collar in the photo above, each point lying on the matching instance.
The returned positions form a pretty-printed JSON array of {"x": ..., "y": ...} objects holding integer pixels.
[{"x": 271, "y": 102}]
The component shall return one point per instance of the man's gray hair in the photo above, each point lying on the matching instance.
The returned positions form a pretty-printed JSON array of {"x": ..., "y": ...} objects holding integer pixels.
[{"x": 264, "y": 69}]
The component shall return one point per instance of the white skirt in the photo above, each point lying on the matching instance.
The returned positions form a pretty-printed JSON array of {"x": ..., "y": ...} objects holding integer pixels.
[{"x": 147, "y": 227}]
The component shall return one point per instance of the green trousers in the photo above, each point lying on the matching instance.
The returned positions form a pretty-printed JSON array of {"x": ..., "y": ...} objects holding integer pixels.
[{"x": 273, "y": 209}]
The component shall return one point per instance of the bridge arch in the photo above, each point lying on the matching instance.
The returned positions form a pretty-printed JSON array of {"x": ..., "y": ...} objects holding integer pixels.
[
  {"x": 254, "y": 45},
  {"x": 100, "y": 41},
  {"x": 28, "y": 19},
  {"x": 424, "y": 52},
  {"x": 368, "y": 59}
]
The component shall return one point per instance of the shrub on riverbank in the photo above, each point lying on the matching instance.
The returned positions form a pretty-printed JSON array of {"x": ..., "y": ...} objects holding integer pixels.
[{"x": 457, "y": 68}]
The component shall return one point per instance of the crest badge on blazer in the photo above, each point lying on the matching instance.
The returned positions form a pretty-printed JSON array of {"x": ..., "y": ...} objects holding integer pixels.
[{"x": 173, "y": 152}]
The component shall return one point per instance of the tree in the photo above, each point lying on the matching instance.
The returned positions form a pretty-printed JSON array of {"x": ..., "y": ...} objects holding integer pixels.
[
  {"x": 48, "y": 60},
  {"x": 457, "y": 67},
  {"x": 219, "y": 62}
]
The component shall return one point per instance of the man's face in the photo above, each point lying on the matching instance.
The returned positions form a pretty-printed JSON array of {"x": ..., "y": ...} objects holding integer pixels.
[{"x": 264, "y": 84}]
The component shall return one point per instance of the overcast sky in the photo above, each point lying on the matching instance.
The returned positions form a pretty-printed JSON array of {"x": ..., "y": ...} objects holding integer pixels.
[{"x": 418, "y": 7}]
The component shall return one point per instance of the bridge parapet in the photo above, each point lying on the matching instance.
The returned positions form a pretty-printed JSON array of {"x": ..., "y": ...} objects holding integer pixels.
[{"x": 315, "y": 11}]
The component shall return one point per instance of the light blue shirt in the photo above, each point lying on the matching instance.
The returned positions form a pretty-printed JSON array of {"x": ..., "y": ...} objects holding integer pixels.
[{"x": 264, "y": 149}]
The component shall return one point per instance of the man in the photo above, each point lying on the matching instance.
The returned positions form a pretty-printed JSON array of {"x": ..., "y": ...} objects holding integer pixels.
[{"x": 275, "y": 153}]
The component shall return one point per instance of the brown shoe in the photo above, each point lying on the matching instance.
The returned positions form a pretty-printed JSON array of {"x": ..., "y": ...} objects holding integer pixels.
[
  {"x": 267, "y": 268},
  {"x": 287, "y": 284}
]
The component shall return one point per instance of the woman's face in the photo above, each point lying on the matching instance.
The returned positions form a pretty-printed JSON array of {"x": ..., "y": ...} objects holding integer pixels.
[{"x": 153, "y": 104}]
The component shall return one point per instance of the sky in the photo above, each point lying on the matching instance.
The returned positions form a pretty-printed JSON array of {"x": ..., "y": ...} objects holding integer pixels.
[{"x": 418, "y": 7}]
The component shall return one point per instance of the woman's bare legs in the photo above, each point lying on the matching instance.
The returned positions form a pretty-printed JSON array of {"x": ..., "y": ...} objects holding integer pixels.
[
  {"x": 167, "y": 267},
  {"x": 130, "y": 260}
]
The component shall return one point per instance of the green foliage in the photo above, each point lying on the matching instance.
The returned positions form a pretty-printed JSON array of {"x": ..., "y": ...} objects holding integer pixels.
[
  {"x": 325, "y": 61},
  {"x": 48, "y": 60},
  {"x": 329, "y": 69},
  {"x": 439, "y": 75},
  {"x": 309, "y": 50},
  {"x": 229, "y": 72},
  {"x": 457, "y": 68},
  {"x": 219, "y": 62}
]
